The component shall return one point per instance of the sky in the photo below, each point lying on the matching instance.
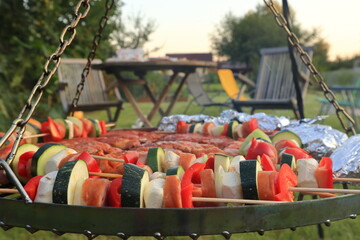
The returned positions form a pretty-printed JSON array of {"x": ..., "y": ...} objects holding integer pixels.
[{"x": 185, "y": 26}]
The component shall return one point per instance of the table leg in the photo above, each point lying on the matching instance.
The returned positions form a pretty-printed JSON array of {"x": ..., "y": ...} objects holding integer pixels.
[
  {"x": 133, "y": 102},
  {"x": 153, "y": 99},
  {"x": 177, "y": 93},
  {"x": 162, "y": 96}
]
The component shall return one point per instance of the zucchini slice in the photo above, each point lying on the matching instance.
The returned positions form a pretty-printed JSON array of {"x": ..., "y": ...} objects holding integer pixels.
[
  {"x": 77, "y": 122},
  {"x": 67, "y": 180},
  {"x": 231, "y": 129},
  {"x": 134, "y": 181},
  {"x": 257, "y": 133},
  {"x": 289, "y": 160},
  {"x": 41, "y": 157},
  {"x": 221, "y": 165},
  {"x": 155, "y": 158},
  {"x": 33, "y": 130},
  {"x": 95, "y": 130},
  {"x": 179, "y": 171},
  {"x": 27, "y": 147},
  {"x": 286, "y": 135},
  {"x": 248, "y": 177}
]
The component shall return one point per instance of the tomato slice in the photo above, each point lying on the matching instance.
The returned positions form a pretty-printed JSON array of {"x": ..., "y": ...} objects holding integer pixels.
[
  {"x": 324, "y": 173},
  {"x": 114, "y": 194},
  {"x": 32, "y": 186},
  {"x": 210, "y": 163},
  {"x": 266, "y": 185},
  {"x": 258, "y": 148},
  {"x": 131, "y": 157},
  {"x": 51, "y": 128},
  {"x": 267, "y": 164},
  {"x": 225, "y": 131},
  {"x": 93, "y": 166},
  {"x": 285, "y": 144},
  {"x": 23, "y": 163}
]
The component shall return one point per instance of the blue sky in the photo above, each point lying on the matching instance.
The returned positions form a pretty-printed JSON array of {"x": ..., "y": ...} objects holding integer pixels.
[{"x": 185, "y": 26}]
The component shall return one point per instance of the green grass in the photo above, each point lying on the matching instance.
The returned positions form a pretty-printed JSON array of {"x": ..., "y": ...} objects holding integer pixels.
[{"x": 344, "y": 229}]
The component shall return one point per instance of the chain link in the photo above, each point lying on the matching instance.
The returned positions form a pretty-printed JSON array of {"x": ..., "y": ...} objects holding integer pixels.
[
  {"x": 54, "y": 59},
  {"x": 97, "y": 37},
  {"x": 329, "y": 95}
]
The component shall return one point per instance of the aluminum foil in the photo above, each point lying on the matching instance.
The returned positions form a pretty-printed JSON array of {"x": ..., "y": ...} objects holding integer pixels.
[
  {"x": 319, "y": 140},
  {"x": 346, "y": 159},
  {"x": 267, "y": 122}
]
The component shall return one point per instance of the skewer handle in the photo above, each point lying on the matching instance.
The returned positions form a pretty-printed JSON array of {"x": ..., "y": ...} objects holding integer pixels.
[
  {"x": 327, "y": 190},
  {"x": 107, "y": 158},
  {"x": 346, "y": 179},
  {"x": 36, "y": 135},
  {"x": 106, "y": 175},
  {"x": 230, "y": 200}
]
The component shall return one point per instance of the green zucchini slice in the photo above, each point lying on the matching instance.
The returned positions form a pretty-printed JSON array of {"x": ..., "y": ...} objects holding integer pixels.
[
  {"x": 155, "y": 158},
  {"x": 248, "y": 177},
  {"x": 41, "y": 157},
  {"x": 134, "y": 181},
  {"x": 67, "y": 180}
]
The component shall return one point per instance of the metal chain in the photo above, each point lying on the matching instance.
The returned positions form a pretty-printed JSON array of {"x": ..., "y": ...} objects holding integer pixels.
[
  {"x": 329, "y": 95},
  {"x": 38, "y": 90},
  {"x": 102, "y": 24}
]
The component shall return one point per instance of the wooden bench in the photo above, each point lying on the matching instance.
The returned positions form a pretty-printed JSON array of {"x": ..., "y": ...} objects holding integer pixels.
[
  {"x": 94, "y": 96},
  {"x": 274, "y": 85}
]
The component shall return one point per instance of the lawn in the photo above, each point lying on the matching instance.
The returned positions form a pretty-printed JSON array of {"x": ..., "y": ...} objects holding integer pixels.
[{"x": 344, "y": 229}]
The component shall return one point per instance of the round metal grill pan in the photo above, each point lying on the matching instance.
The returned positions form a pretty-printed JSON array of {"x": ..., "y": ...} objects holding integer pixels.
[{"x": 175, "y": 222}]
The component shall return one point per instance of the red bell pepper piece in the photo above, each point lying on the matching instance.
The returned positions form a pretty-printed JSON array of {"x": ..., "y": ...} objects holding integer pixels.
[
  {"x": 181, "y": 127},
  {"x": 324, "y": 173},
  {"x": 210, "y": 163},
  {"x": 32, "y": 186},
  {"x": 187, "y": 184},
  {"x": 114, "y": 194},
  {"x": 225, "y": 131},
  {"x": 249, "y": 126},
  {"x": 287, "y": 178},
  {"x": 298, "y": 153},
  {"x": 285, "y": 144},
  {"x": 23, "y": 171},
  {"x": 55, "y": 132},
  {"x": 103, "y": 126},
  {"x": 131, "y": 157},
  {"x": 267, "y": 164},
  {"x": 258, "y": 148}
]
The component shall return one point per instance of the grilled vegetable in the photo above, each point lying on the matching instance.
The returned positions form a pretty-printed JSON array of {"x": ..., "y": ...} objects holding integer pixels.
[
  {"x": 155, "y": 158},
  {"x": 248, "y": 176}
]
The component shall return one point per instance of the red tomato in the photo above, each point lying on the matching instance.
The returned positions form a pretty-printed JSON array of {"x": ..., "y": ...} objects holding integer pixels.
[
  {"x": 267, "y": 164},
  {"x": 298, "y": 153},
  {"x": 266, "y": 185},
  {"x": 324, "y": 173},
  {"x": 225, "y": 131},
  {"x": 181, "y": 127},
  {"x": 23, "y": 163},
  {"x": 258, "y": 148},
  {"x": 285, "y": 143},
  {"x": 287, "y": 178},
  {"x": 248, "y": 127},
  {"x": 31, "y": 187},
  {"x": 93, "y": 166},
  {"x": 131, "y": 157},
  {"x": 87, "y": 126},
  {"x": 114, "y": 194}
]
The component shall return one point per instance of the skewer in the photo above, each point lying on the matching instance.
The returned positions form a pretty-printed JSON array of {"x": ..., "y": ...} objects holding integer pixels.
[
  {"x": 326, "y": 190},
  {"x": 106, "y": 175},
  {"x": 230, "y": 200},
  {"x": 107, "y": 158},
  {"x": 346, "y": 179}
]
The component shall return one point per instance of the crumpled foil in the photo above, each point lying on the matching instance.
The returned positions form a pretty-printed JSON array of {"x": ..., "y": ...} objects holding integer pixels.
[
  {"x": 346, "y": 158},
  {"x": 267, "y": 122},
  {"x": 318, "y": 140}
]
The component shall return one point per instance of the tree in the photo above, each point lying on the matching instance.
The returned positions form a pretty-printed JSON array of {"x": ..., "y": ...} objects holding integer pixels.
[
  {"x": 30, "y": 31},
  {"x": 241, "y": 38}
]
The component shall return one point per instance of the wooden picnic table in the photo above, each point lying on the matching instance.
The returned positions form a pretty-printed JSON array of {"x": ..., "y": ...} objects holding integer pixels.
[{"x": 140, "y": 69}]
